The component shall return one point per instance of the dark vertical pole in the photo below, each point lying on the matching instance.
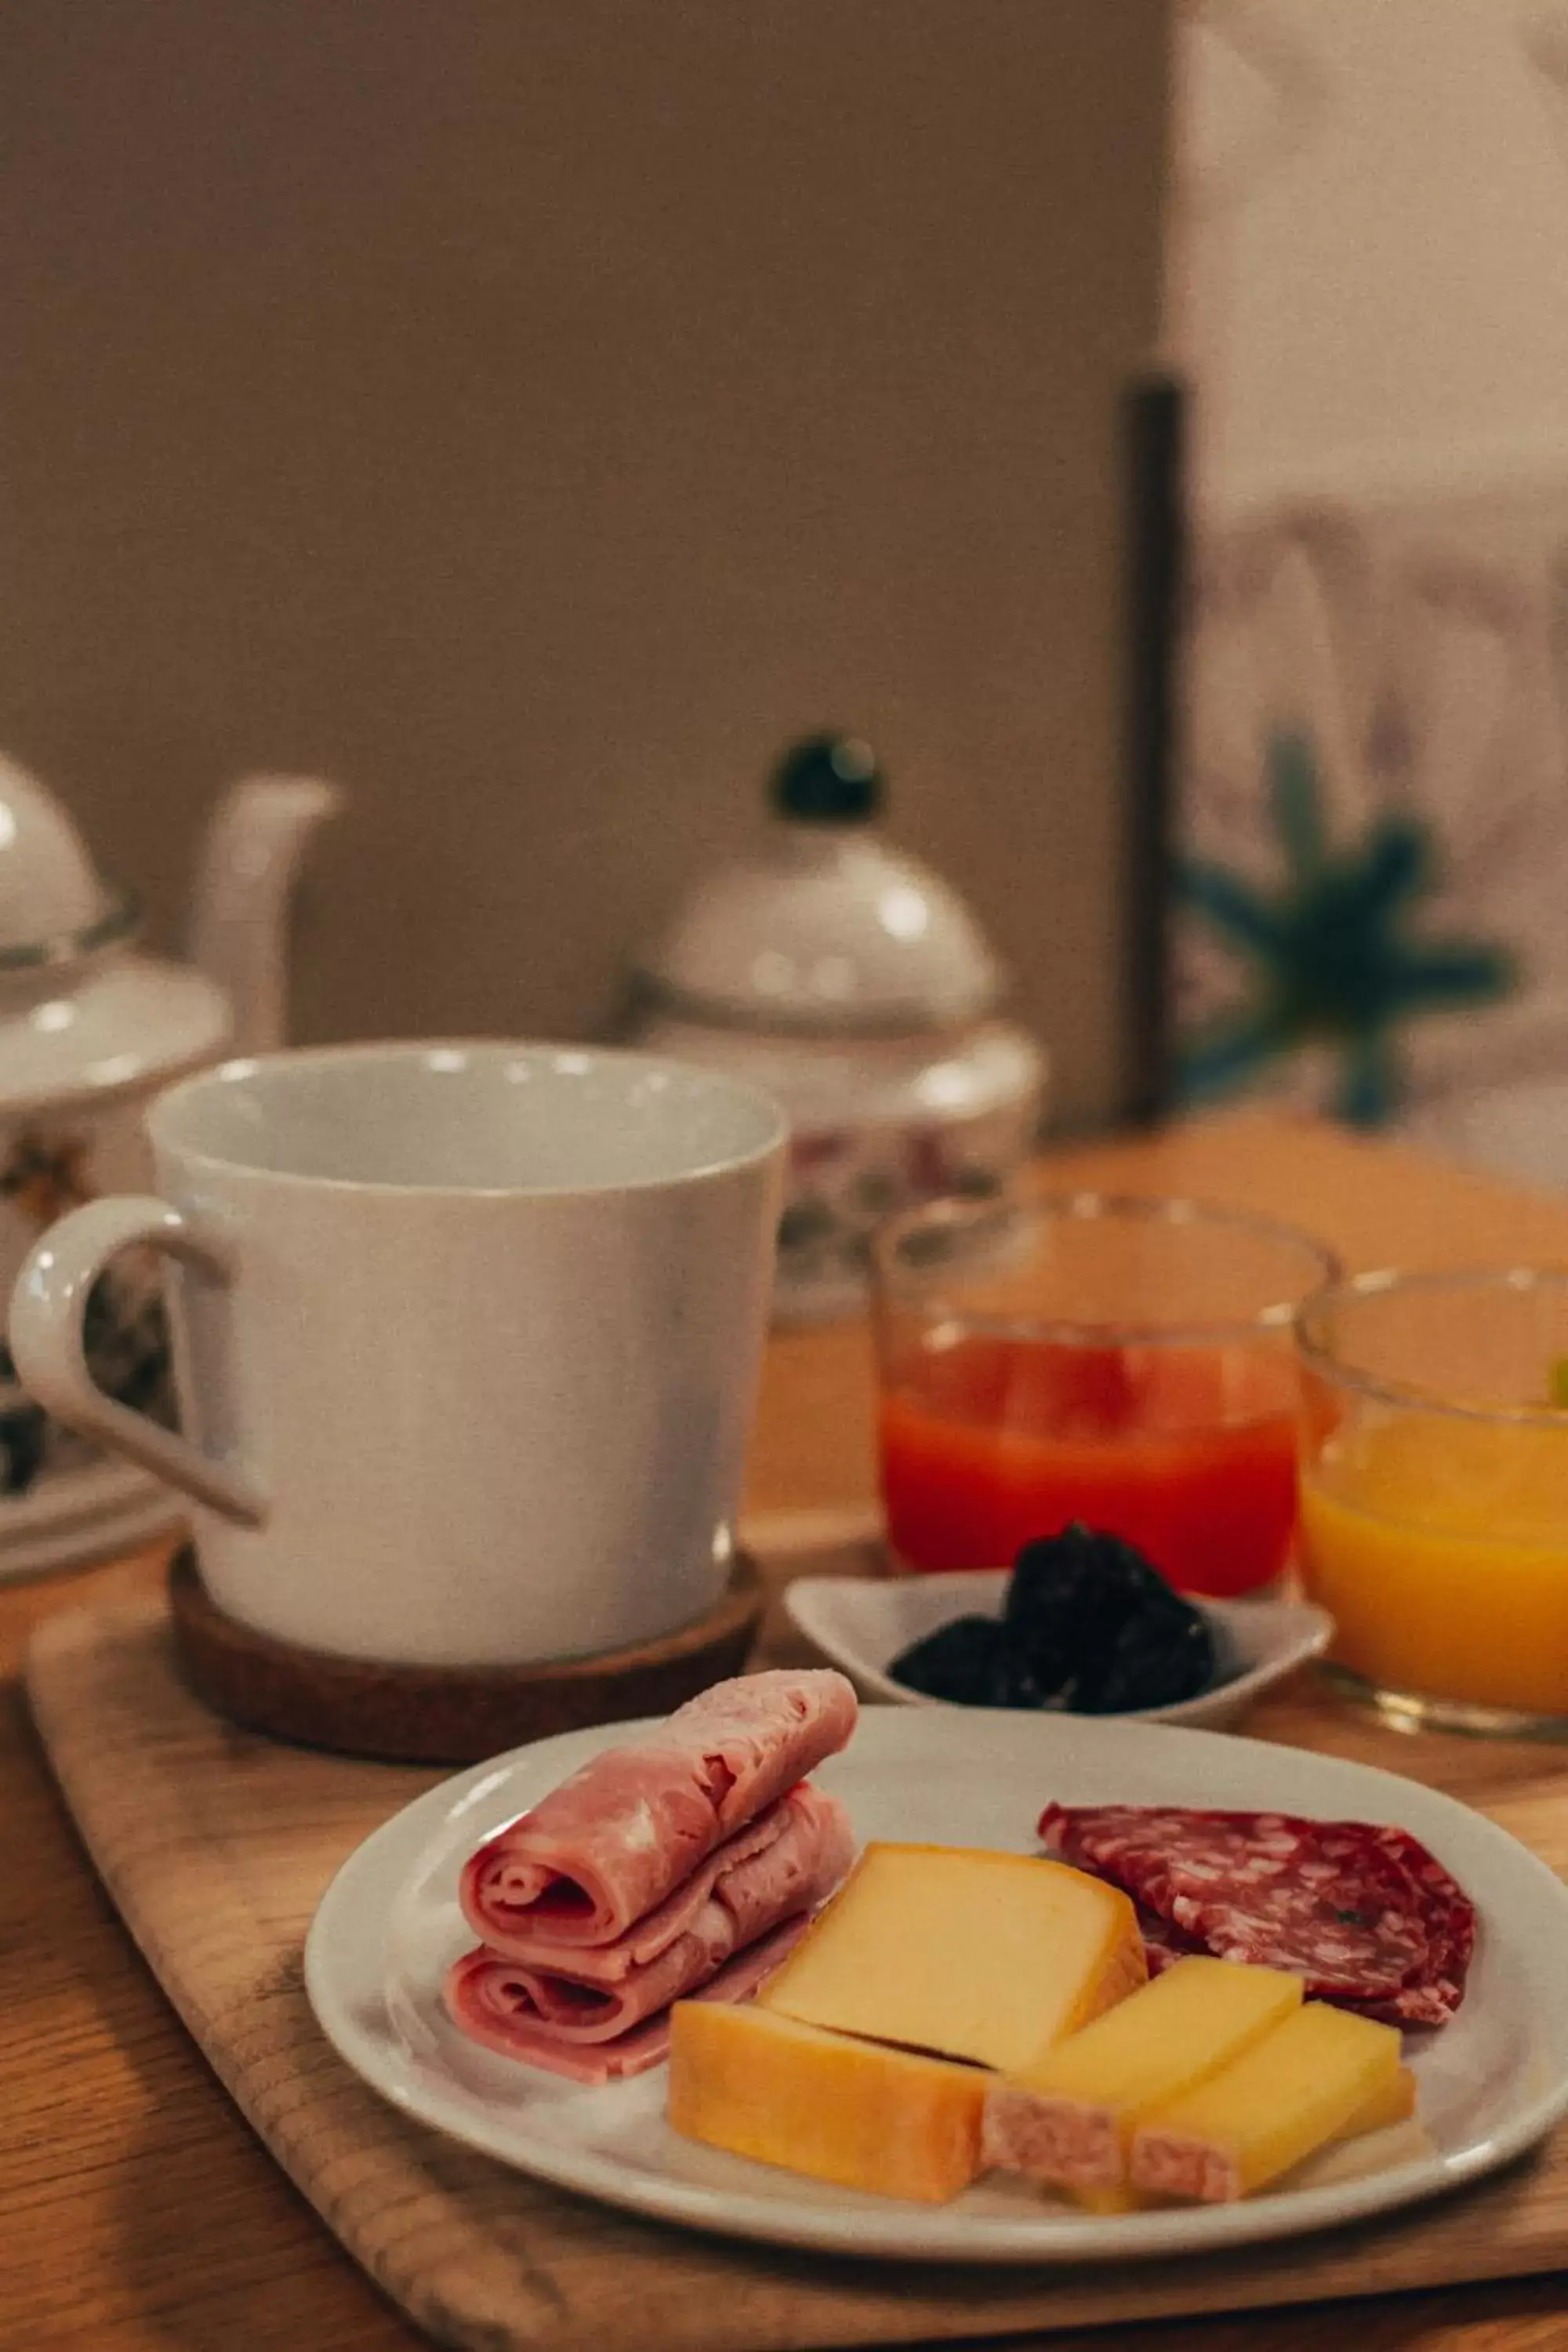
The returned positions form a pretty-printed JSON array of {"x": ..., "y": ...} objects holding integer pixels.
[{"x": 1156, "y": 544}]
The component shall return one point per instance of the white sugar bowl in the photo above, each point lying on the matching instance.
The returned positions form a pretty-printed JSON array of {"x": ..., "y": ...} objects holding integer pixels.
[{"x": 851, "y": 981}]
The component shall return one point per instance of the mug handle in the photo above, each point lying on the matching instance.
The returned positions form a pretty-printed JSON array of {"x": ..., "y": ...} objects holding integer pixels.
[{"x": 45, "y": 1334}]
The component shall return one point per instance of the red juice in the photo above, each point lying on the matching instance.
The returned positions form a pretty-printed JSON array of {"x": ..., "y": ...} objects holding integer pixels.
[{"x": 1187, "y": 1451}]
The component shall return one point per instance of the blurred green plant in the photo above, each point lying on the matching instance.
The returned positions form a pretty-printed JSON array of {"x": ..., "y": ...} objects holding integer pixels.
[{"x": 1333, "y": 953}]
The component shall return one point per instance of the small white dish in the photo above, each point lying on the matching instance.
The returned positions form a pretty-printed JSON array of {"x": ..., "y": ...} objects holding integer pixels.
[
  {"x": 861, "y": 1624},
  {"x": 1489, "y": 2085}
]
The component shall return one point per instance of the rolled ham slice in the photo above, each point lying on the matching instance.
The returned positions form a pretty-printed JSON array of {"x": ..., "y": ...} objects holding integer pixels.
[
  {"x": 619, "y": 1838},
  {"x": 468, "y": 1997},
  {"x": 728, "y": 1871},
  {"x": 602, "y": 1999}
]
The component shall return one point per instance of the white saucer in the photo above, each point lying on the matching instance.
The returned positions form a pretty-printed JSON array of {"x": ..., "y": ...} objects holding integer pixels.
[
  {"x": 861, "y": 1624},
  {"x": 70, "y": 1517},
  {"x": 1491, "y": 2084}
]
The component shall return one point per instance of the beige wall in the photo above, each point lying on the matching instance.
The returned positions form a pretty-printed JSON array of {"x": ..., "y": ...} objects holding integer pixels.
[{"x": 531, "y": 412}]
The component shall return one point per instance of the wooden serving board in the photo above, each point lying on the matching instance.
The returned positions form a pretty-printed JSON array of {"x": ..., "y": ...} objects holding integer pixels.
[{"x": 217, "y": 1845}]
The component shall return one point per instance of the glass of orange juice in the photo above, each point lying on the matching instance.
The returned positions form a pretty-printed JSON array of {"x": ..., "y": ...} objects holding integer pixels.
[
  {"x": 1434, "y": 1494},
  {"x": 1125, "y": 1362}
]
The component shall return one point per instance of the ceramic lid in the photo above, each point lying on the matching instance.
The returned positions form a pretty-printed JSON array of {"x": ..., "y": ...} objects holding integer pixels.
[
  {"x": 824, "y": 927},
  {"x": 54, "y": 904},
  {"x": 131, "y": 1023}
]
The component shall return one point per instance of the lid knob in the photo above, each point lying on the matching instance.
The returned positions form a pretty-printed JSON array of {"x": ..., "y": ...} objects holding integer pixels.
[{"x": 828, "y": 779}]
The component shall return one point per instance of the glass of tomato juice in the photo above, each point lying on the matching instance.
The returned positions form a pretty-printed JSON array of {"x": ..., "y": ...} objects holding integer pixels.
[
  {"x": 1435, "y": 1495},
  {"x": 1125, "y": 1362}
]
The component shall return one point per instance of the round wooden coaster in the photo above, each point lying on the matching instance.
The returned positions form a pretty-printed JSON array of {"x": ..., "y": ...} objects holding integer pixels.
[{"x": 445, "y": 1715}]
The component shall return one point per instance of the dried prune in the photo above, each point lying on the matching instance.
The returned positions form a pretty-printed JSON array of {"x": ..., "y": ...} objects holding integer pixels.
[
  {"x": 1088, "y": 1625},
  {"x": 1104, "y": 1628},
  {"x": 955, "y": 1663}
]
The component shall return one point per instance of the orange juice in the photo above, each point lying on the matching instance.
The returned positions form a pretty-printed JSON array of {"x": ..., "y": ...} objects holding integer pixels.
[{"x": 1440, "y": 1546}]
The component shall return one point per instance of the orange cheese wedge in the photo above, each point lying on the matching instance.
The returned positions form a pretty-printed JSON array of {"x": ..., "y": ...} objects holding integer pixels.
[{"x": 762, "y": 2086}]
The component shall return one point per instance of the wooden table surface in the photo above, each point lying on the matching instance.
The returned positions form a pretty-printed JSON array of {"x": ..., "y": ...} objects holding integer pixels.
[{"x": 136, "y": 2212}]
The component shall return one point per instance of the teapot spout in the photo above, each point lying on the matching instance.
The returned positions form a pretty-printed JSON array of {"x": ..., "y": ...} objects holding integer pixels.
[{"x": 245, "y": 878}]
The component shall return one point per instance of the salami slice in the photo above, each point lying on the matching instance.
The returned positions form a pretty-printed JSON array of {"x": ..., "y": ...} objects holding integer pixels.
[
  {"x": 1363, "y": 1914},
  {"x": 1451, "y": 1920}
]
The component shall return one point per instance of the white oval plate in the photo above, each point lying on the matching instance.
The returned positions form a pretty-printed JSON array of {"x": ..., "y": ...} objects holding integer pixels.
[
  {"x": 1492, "y": 2083},
  {"x": 861, "y": 1624}
]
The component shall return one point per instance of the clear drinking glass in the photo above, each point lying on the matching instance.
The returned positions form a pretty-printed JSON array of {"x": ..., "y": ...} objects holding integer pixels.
[
  {"x": 1127, "y": 1362},
  {"x": 1435, "y": 1495}
]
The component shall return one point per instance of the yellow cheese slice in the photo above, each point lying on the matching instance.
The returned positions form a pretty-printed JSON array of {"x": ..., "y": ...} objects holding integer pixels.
[
  {"x": 1299, "y": 2087},
  {"x": 1395, "y": 2103},
  {"x": 762, "y": 2086},
  {"x": 1068, "y": 2119},
  {"x": 974, "y": 1954},
  {"x": 1115, "y": 2197}
]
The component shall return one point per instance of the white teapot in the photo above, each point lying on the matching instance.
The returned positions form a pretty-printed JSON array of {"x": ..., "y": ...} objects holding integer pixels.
[
  {"x": 90, "y": 1027},
  {"x": 845, "y": 977}
]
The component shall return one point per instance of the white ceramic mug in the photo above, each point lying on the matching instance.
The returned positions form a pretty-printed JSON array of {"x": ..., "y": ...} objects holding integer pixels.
[{"x": 466, "y": 1340}]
